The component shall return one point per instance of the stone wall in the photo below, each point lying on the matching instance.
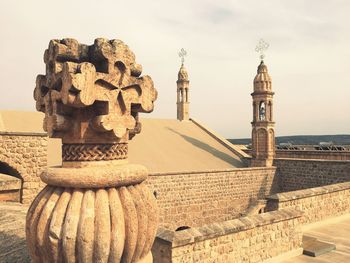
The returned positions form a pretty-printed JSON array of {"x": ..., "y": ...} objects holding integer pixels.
[
  {"x": 197, "y": 198},
  {"x": 297, "y": 174},
  {"x": 25, "y": 155},
  {"x": 316, "y": 203},
  {"x": 248, "y": 239},
  {"x": 324, "y": 155},
  {"x": 309, "y": 154}
]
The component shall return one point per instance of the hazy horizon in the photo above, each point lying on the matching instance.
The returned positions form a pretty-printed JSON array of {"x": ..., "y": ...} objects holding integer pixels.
[{"x": 308, "y": 58}]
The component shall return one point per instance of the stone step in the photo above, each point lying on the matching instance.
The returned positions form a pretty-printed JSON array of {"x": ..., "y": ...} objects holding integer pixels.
[
  {"x": 10, "y": 188},
  {"x": 314, "y": 248}
]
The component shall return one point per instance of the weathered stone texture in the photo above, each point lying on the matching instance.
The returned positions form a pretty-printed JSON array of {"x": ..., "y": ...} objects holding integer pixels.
[
  {"x": 198, "y": 198},
  {"x": 249, "y": 239},
  {"x": 95, "y": 207},
  {"x": 27, "y": 154},
  {"x": 316, "y": 203},
  {"x": 297, "y": 174}
]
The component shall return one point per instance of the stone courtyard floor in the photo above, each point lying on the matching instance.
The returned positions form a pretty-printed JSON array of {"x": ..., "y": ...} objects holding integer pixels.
[
  {"x": 335, "y": 231},
  {"x": 12, "y": 237},
  {"x": 12, "y": 234}
]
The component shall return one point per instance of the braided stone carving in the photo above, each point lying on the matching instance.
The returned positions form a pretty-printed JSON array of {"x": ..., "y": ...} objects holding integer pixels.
[
  {"x": 96, "y": 207},
  {"x": 94, "y": 152}
]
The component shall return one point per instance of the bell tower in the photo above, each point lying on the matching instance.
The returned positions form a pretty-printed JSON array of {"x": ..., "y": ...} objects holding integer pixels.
[
  {"x": 182, "y": 90},
  {"x": 263, "y": 133}
]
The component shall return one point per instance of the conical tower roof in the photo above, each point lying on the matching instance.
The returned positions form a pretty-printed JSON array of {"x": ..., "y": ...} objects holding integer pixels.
[
  {"x": 182, "y": 75},
  {"x": 262, "y": 80}
]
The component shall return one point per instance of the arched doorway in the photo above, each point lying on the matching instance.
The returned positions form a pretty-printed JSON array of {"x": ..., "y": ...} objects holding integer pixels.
[{"x": 10, "y": 183}]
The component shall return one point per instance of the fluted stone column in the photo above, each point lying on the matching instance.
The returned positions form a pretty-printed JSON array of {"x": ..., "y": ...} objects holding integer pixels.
[{"x": 96, "y": 207}]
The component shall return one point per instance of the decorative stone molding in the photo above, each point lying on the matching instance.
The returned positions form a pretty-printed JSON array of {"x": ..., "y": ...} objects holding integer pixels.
[
  {"x": 96, "y": 207},
  {"x": 94, "y": 152}
]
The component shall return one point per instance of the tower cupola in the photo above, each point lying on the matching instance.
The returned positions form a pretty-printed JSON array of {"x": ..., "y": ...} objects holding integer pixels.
[
  {"x": 263, "y": 125},
  {"x": 262, "y": 80},
  {"x": 182, "y": 90}
]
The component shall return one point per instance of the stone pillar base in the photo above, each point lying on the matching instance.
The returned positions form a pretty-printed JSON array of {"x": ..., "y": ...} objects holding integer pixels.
[{"x": 95, "y": 224}]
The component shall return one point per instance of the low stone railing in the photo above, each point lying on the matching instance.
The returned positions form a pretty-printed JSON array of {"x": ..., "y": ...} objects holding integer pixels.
[
  {"x": 317, "y": 203},
  {"x": 274, "y": 234}
]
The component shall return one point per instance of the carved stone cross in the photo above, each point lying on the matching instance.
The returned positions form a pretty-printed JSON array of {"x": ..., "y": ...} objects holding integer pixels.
[
  {"x": 182, "y": 55},
  {"x": 261, "y": 47},
  {"x": 98, "y": 86}
]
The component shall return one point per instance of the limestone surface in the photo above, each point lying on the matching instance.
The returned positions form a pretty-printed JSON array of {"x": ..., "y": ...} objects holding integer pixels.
[{"x": 96, "y": 207}]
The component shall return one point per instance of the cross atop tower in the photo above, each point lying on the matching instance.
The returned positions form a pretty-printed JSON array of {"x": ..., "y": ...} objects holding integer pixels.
[
  {"x": 261, "y": 47},
  {"x": 182, "y": 55}
]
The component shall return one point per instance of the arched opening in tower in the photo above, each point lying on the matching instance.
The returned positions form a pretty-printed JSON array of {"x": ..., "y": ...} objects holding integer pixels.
[
  {"x": 262, "y": 111},
  {"x": 11, "y": 183}
]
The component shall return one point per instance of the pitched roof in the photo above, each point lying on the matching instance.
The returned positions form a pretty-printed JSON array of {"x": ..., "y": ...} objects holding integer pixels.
[
  {"x": 167, "y": 145},
  {"x": 164, "y": 145},
  {"x": 21, "y": 121}
]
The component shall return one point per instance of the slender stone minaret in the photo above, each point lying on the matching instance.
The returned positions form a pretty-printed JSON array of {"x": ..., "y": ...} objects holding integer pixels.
[
  {"x": 96, "y": 207},
  {"x": 182, "y": 91},
  {"x": 263, "y": 134}
]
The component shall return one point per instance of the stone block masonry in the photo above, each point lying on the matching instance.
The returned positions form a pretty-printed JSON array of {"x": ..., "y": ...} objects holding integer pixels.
[
  {"x": 24, "y": 156},
  {"x": 248, "y": 239},
  {"x": 196, "y": 198},
  {"x": 316, "y": 203},
  {"x": 308, "y": 154},
  {"x": 297, "y": 174}
]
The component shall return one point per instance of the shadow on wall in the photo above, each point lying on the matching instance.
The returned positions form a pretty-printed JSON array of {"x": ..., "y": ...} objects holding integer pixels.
[
  {"x": 206, "y": 147},
  {"x": 258, "y": 203}
]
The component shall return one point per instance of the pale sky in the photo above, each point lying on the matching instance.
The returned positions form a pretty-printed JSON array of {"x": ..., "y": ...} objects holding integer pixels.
[{"x": 308, "y": 58}]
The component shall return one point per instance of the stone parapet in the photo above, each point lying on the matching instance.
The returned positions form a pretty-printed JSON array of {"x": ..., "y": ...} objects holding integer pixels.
[
  {"x": 307, "y": 154},
  {"x": 9, "y": 133},
  {"x": 212, "y": 171},
  {"x": 317, "y": 203},
  {"x": 299, "y": 194},
  {"x": 272, "y": 233}
]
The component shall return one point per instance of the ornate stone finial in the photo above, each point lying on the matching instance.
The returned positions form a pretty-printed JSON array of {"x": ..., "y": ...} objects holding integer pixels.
[
  {"x": 92, "y": 95},
  {"x": 182, "y": 55},
  {"x": 94, "y": 208},
  {"x": 261, "y": 47}
]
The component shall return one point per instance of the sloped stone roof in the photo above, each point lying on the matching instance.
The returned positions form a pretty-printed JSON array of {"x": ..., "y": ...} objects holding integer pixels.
[
  {"x": 164, "y": 145},
  {"x": 21, "y": 121}
]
